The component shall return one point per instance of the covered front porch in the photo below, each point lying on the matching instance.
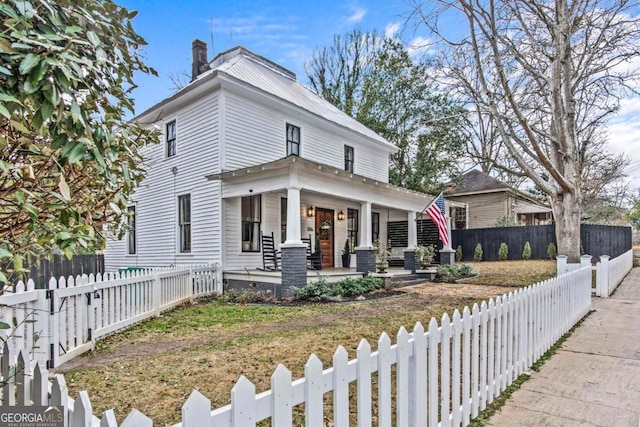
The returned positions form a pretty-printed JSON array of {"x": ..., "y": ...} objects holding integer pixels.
[{"x": 310, "y": 207}]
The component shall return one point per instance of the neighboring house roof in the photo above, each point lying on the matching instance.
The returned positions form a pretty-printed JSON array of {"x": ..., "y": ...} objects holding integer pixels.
[
  {"x": 477, "y": 182},
  {"x": 243, "y": 65}
]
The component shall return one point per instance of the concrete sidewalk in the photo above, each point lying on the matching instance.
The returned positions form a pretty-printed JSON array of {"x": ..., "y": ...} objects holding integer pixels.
[{"x": 594, "y": 378}]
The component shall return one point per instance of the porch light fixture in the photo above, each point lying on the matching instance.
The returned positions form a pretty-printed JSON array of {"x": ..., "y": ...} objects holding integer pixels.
[
  {"x": 341, "y": 216},
  {"x": 311, "y": 211}
]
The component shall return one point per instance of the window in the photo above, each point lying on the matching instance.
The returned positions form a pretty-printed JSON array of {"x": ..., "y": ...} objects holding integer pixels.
[
  {"x": 251, "y": 218},
  {"x": 375, "y": 226},
  {"x": 348, "y": 158},
  {"x": 293, "y": 140},
  {"x": 171, "y": 138},
  {"x": 283, "y": 220},
  {"x": 184, "y": 222},
  {"x": 352, "y": 229},
  {"x": 459, "y": 216},
  {"x": 131, "y": 236}
]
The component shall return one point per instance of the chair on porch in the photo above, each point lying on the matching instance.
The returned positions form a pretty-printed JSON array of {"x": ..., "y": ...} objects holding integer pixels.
[
  {"x": 270, "y": 255},
  {"x": 307, "y": 241}
]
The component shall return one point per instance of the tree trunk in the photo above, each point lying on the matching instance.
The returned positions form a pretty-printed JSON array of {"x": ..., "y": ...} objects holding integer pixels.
[{"x": 566, "y": 212}]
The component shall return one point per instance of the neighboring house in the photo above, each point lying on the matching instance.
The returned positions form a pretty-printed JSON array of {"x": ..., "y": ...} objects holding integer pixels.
[
  {"x": 489, "y": 200},
  {"x": 247, "y": 150}
]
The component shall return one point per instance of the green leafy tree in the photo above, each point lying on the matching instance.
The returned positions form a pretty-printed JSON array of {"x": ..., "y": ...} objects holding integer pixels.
[
  {"x": 374, "y": 80},
  {"x": 68, "y": 157}
]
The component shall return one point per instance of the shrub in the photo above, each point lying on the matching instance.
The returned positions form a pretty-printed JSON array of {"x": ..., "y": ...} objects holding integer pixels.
[
  {"x": 477, "y": 254},
  {"x": 322, "y": 291},
  {"x": 453, "y": 272},
  {"x": 314, "y": 292},
  {"x": 459, "y": 253},
  {"x": 248, "y": 296},
  {"x": 551, "y": 251},
  {"x": 526, "y": 252},
  {"x": 351, "y": 287},
  {"x": 503, "y": 252}
]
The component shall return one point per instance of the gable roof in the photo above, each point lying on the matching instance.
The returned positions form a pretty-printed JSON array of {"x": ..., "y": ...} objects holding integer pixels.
[
  {"x": 478, "y": 181},
  {"x": 249, "y": 68}
]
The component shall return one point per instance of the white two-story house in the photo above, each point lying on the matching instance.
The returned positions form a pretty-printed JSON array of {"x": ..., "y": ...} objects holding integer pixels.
[{"x": 246, "y": 152}]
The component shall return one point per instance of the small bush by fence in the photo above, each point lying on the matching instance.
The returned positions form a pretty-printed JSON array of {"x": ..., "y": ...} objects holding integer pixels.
[
  {"x": 596, "y": 240},
  {"x": 446, "y": 374}
]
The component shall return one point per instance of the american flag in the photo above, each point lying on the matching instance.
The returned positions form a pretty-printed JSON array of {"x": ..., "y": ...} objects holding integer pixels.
[{"x": 437, "y": 214}]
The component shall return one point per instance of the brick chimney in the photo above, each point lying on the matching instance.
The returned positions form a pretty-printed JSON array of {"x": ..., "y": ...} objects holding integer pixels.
[{"x": 200, "y": 62}]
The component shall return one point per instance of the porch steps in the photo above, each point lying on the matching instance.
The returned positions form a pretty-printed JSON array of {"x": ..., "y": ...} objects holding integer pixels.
[{"x": 408, "y": 280}]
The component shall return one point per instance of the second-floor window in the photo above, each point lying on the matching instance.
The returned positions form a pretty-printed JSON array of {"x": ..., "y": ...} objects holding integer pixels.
[
  {"x": 171, "y": 138},
  {"x": 348, "y": 158},
  {"x": 131, "y": 236},
  {"x": 293, "y": 140},
  {"x": 184, "y": 222}
]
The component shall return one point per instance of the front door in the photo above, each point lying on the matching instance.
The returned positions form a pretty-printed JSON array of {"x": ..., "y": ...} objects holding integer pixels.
[{"x": 324, "y": 232}]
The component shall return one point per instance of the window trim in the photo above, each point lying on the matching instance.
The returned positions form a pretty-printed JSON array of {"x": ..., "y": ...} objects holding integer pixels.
[
  {"x": 131, "y": 232},
  {"x": 291, "y": 142},
  {"x": 353, "y": 217},
  {"x": 375, "y": 232},
  {"x": 349, "y": 160},
  {"x": 259, "y": 222},
  {"x": 167, "y": 141},
  {"x": 181, "y": 248}
]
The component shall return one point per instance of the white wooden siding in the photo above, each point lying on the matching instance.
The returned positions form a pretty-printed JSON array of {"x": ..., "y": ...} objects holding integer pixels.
[
  {"x": 156, "y": 198},
  {"x": 255, "y": 134}
]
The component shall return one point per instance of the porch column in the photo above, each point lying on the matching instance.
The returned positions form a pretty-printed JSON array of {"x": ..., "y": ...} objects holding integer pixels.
[
  {"x": 365, "y": 225},
  {"x": 410, "y": 252},
  {"x": 365, "y": 254},
  {"x": 413, "y": 230},
  {"x": 294, "y": 252},
  {"x": 293, "y": 215}
]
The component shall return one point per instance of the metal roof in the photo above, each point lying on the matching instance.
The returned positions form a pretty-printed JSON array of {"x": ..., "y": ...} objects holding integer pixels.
[{"x": 263, "y": 74}]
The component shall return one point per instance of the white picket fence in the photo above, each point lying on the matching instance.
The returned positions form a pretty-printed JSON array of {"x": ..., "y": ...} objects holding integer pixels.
[
  {"x": 60, "y": 323},
  {"x": 442, "y": 377},
  {"x": 610, "y": 272}
]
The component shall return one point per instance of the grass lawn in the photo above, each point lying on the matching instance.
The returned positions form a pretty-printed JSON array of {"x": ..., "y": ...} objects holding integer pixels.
[{"x": 154, "y": 367}]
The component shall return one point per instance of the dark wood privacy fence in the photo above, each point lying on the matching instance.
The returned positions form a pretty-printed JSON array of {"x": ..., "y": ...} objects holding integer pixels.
[
  {"x": 59, "y": 265},
  {"x": 596, "y": 240}
]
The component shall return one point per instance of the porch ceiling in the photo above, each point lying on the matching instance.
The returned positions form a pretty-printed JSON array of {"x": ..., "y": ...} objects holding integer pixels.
[{"x": 319, "y": 178}]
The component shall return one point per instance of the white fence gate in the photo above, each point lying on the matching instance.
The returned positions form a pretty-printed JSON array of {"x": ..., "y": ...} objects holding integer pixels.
[
  {"x": 440, "y": 377},
  {"x": 74, "y": 312}
]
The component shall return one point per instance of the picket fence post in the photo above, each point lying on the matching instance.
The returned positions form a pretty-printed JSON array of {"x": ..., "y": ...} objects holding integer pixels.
[
  {"x": 156, "y": 291},
  {"x": 604, "y": 276}
]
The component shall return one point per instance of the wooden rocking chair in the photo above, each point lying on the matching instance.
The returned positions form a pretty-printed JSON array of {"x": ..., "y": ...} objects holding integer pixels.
[{"x": 270, "y": 255}]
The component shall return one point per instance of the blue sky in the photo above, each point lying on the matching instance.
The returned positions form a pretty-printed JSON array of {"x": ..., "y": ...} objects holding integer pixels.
[
  {"x": 287, "y": 32},
  {"x": 284, "y": 31}
]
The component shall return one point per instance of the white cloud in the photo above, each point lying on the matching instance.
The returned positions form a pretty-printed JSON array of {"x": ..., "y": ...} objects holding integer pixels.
[
  {"x": 357, "y": 15},
  {"x": 624, "y": 135},
  {"x": 391, "y": 30},
  {"x": 419, "y": 46}
]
